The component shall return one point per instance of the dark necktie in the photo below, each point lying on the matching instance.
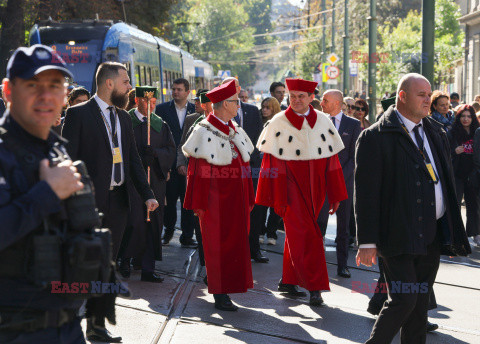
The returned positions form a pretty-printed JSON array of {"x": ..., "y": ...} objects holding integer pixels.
[
  {"x": 418, "y": 138},
  {"x": 117, "y": 173},
  {"x": 334, "y": 123},
  {"x": 144, "y": 119}
]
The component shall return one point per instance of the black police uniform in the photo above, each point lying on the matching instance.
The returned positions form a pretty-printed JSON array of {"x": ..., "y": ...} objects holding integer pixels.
[{"x": 28, "y": 313}]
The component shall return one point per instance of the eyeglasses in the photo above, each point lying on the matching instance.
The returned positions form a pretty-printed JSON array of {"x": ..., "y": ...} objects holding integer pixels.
[
  {"x": 359, "y": 108},
  {"x": 351, "y": 107},
  {"x": 233, "y": 101}
]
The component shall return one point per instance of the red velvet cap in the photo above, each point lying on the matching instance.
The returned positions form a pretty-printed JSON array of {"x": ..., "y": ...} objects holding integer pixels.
[
  {"x": 222, "y": 92},
  {"x": 301, "y": 85}
]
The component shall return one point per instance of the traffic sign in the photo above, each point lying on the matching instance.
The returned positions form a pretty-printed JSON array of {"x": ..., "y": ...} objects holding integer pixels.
[
  {"x": 333, "y": 58},
  {"x": 333, "y": 72},
  {"x": 224, "y": 74}
]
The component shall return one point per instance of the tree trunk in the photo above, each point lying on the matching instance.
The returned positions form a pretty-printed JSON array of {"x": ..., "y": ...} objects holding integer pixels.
[{"x": 13, "y": 34}]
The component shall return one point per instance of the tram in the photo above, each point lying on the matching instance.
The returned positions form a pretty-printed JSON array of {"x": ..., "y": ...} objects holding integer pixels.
[{"x": 149, "y": 60}]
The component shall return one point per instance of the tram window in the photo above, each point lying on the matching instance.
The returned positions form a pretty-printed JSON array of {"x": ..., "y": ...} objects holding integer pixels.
[
  {"x": 149, "y": 76},
  {"x": 137, "y": 76},
  {"x": 142, "y": 75}
]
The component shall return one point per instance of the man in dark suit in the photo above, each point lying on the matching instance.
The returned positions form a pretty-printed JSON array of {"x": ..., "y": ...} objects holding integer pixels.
[
  {"x": 174, "y": 113},
  {"x": 249, "y": 118},
  {"x": 277, "y": 90},
  {"x": 100, "y": 133},
  {"x": 349, "y": 130},
  {"x": 406, "y": 209}
]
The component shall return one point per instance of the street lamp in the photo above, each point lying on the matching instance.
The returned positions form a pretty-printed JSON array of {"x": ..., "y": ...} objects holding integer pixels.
[{"x": 124, "y": 13}]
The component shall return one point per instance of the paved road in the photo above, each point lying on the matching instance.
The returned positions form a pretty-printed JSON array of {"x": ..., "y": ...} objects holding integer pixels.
[{"x": 181, "y": 311}]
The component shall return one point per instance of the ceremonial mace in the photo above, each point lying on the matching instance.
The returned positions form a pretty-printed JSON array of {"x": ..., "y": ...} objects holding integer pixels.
[{"x": 148, "y": 95}]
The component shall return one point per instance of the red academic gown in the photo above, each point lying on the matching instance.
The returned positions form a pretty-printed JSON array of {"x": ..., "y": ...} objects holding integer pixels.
[
  {"x": 225, "y": 194},
  {"x": 296, "y": 190}
]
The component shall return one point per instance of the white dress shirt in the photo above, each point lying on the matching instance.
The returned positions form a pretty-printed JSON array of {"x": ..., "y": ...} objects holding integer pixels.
[
  {"x": 439, "y": 202},
  {"x": 303, "y": 114},
  {"x": 226, "y": 123},
  {"x": 181, "y": 114},
  {"x": 139, "y": 115},
  {"x": 106, "y": 116},
  {"x": 240, "y": 115},
  {"x": 338, "y": 119}
]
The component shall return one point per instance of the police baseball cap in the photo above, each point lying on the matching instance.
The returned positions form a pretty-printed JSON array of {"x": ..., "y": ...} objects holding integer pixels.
[{"x": 25, "y": 62}]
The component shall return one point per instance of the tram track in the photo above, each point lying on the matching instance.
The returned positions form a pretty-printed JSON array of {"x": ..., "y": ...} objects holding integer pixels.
[
  {"x": 376, "y": 272},
  {"x": 189, "y": 280}
]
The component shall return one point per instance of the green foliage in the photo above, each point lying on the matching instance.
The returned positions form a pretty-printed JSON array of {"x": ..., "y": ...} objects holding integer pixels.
[
  {"x": 220, "y": 32},
  {"x": 400, "y": 47}
]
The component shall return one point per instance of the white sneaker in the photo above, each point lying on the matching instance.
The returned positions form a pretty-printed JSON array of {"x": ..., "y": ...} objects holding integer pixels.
[
  {"x": 271, "y": 241},
  {"x": 261, "y": 239},
  {"x": 476, "y": 240}
]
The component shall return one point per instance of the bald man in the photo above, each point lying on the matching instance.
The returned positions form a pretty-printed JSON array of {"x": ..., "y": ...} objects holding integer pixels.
[
  {"x": 406, "y": 209},
  {"x": 349, "y": 130}
]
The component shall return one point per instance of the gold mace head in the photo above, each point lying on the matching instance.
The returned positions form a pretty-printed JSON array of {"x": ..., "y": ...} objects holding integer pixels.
[{"x": 148, "y": 94}]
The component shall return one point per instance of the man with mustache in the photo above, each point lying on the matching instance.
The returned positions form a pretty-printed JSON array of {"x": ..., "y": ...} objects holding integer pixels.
[{"x": 100, "y": 133}]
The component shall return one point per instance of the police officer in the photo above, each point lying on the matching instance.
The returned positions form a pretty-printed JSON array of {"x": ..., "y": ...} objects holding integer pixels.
[{"x": 29, "y": 194}]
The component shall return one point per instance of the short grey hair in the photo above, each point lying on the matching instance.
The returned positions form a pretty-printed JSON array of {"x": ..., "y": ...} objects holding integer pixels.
[{"x": 218, "y": 105}]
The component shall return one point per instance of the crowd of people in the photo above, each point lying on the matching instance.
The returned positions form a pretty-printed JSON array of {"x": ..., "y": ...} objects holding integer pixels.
[{"x": 240, "y": 174}]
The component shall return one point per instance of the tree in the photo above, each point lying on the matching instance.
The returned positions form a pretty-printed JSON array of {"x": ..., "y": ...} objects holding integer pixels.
[
  {"x": 12, "y": 35},
  {"x": 220, "y": 34}
]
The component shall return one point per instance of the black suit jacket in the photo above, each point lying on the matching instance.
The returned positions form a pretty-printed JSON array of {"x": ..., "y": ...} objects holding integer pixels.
[
  {"x": 189, "y": 120},
  {"x": 394, "y": 193},
  {"x": 349, "y": 131},
  {"x": 88, "y": 141},
  {"x": 252, "y": 124},
  {"x": 168, "y": 113}
]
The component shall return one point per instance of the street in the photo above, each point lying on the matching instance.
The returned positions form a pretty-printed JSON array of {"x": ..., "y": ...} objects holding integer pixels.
[{"x": 180, "y": 310}]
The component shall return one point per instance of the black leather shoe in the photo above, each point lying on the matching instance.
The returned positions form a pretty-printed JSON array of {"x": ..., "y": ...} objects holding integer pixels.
[
  {"x": 431, "y": 326},
  {"x": 344, "y": 272},
  {"x": 316, "y": 299},
  {"x": 100, "y": 334},
  {"x": 189, "y": 243},
  {"x": 290, "y": 289},
  {"x": 167, "y": 237},
  {"x": 259, "y": 258},
  {"x": 148, "y": 276},
  {"x": 373, "y": 309},
  {"x": 124, "y": 267},
  {"x": 223, "y": 303}
]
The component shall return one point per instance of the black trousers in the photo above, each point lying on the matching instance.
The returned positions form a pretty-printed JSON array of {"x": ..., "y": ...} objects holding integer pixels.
[
  {"x": 472, "y": 203},
  {"x": 198, "y": 236},
  {"x": 406, "y": 309},
  {"x": 343, "y": 224},
  {"x": 257, "y": 223},
  {"x": 176, "y": 187},
  {"x": 116, "y": 215},
  {"x": 379, "y": 298}
]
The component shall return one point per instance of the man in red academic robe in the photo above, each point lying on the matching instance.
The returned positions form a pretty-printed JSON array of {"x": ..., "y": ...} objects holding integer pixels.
[
  {"x": 299, "y": 166},
  {"x": 220, "y": 191}
]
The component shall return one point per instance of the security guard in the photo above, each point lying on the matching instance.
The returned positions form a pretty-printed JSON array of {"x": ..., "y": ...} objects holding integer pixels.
[{"x": 31, "y": 191}]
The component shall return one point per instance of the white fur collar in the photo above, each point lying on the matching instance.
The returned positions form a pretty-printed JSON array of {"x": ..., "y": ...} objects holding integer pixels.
[
  {"x": 282, "y": 140},
  {"x": 209, "y": 143}
]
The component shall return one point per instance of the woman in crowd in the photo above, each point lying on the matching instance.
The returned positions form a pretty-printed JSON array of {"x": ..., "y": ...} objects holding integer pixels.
[
  {"x": 270, "y": 107},
  {"x": 440, "y": 110},
  {"x": 461, "y": 138},
  {"x": 361, "y": 112}
]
